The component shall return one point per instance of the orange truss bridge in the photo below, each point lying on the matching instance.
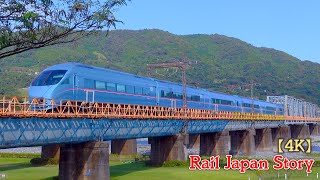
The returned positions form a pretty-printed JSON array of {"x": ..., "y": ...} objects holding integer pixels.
[
  {"x": 36, "y": 122},
  {"x": 22, "y": 107}
]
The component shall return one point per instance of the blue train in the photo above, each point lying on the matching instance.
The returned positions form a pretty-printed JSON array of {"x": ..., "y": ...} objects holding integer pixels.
[{"x": 74, "y": 81}]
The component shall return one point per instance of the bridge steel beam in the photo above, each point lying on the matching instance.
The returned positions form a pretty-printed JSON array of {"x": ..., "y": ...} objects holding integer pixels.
[
  {"x": 124, "y": 146},
  {"x": 84, "y": 161},
  {"x": 212, "y": 144},
  {"x": 257, "y": 124},
  {"x": 242, "y": 142},
  {"x": 166, "y": 148},
  {"x": 23, "y": 132},
  {"x": 263, "y": 140}
]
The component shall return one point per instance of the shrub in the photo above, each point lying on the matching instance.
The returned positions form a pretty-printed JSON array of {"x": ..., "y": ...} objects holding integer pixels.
[
  {"x": 19, "y": 155},
  {"x": 44, "y": 161},
  {"x": 175, "y": 163}
]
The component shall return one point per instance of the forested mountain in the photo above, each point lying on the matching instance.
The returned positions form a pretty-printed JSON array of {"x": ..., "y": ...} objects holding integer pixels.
[{"x": 224, "y": 63}]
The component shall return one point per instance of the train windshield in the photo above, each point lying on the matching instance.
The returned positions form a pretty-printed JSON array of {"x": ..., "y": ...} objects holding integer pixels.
[{"x": 47, "y": 78}]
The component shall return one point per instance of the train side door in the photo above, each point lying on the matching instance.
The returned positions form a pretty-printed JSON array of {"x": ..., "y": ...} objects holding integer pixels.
[
  {"x": 172, "y": 99},
  {"x": 157, "y": 94},
  {"x": 173, "y": 103},
  {"x": 75, "y": 86},
  {"x": 203, "y": 99},
  {"x": 89, "y": 96}
]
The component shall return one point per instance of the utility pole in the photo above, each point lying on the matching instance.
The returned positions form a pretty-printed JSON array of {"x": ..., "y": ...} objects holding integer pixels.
[
  {"x": 252, "y": 106},
  {"x": 251, "y": 85},
  {"x": 182, "y": 65}
]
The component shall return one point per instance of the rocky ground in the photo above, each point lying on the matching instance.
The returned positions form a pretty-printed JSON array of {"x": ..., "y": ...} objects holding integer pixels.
[{"x": 22, "y": 150}]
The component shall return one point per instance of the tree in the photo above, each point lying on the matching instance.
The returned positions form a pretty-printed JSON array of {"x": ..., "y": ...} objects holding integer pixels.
[{"x": 31, "y": 24}]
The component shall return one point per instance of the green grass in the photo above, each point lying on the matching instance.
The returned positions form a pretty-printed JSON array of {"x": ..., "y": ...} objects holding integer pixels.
[{"x": 20, "y": 168}]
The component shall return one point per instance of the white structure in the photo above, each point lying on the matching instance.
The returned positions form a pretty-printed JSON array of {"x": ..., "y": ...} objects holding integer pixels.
[{"x": 295, "y": 107}]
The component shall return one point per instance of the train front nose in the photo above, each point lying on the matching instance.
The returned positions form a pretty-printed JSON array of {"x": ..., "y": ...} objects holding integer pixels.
[
  {"x": 39, "y": 92},
  {"x": 42, "y": 85}
]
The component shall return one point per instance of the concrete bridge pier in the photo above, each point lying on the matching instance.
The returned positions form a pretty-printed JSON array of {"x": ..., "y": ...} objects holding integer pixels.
[
  {"x": 300, "y": 131},
  {"x": 283, "y": 132},
  {"x": 50, "y": 151},
  {"x": 166, "y": 148},
  {"x": 84, "y": 161},
  {"x": 212, "y": 144},
  {"x": 263, "y": 140},
  {"x": 194, "y": 141},
  {"x": 242, "y": 142},
  {"x": 124, "y": 146},
  {"x": 314, "y": 130}
]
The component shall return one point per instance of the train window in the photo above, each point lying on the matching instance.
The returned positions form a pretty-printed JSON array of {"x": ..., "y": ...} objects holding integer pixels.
[
  {"x": 121, "y": 88},
  {"x": 129, "y": 89},
  {"x": 270, "y": 108},
  {"x": 246, "y": 105},
  {"x": 162, "y": 93},
  {"x": 195, "y": 98},
  {"x": 168, "y": 94},
  {"x": 111, "y": 86},
  {"x": 88, "y": 83},
  {"x": 174, "y": 95},
  {"x": 146, "y": 91},
  {"x": 226, "y": 102},
  {"x": 66, "y": 81},
  {"x": 256, "y": 106},
  {"x": 178, "y": 96},
  {"x": 100, "y": 85},
  {"x": 50, "y": 77},
  {"x": 152, "y": 91},
  {"x": 137, "y": 90},
  {"x": 216, "y": 101}
]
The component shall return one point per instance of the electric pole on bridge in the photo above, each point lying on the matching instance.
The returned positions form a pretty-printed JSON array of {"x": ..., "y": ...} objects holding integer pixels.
[{"x": 183, "y": 66}]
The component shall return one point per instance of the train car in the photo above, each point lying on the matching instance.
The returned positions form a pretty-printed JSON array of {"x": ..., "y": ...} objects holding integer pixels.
[{"x": 74, "y": 81}]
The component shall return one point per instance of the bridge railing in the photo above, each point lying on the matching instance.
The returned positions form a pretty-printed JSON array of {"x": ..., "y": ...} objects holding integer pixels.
[{"x": 49, "y": 108}]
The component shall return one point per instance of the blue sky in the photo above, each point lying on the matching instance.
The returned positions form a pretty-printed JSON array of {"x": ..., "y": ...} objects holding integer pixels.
[{"x": 292, "y": 26}]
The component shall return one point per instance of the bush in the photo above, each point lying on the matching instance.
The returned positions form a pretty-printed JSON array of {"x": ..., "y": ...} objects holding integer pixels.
[
  {"x": 316, "y": 163},
  {"x": 175, "y": 163},
  {"x": 44, "y": 161},
  {"x": 136, "y": 157}
]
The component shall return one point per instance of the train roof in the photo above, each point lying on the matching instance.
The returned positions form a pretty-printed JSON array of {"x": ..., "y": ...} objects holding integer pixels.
[{"x": 71, "y": 65}]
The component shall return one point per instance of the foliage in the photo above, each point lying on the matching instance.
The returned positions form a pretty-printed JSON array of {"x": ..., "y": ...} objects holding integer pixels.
[
  {"x": 225, "y": 64},
  {"x": 176, "y": 163},
  {"x": 31, "y": 24},
  {"x": 19, "y": 155},
  {"x": 128, "y": 158}
]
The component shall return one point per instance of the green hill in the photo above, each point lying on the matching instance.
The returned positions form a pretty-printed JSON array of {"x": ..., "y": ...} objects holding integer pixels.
[{"x": 225, "y": 64}]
